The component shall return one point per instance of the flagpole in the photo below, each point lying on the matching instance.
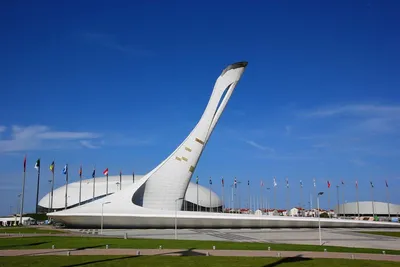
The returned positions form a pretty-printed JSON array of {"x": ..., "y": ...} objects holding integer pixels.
[
  {"x": 94, "y": 181},
  {"x": 23, "y": 192},
  {"x": 373, "y": 204},
  {"x": 388, "y": 198},
  {"x": 329, "y": 202},
  {"x": 120, "y": 180},
  {"x": 261, "y": 198},
  {"x": 66, "y": 186},
  {"x": 301, "y": 198},
  {"x": 222, "y": 193},
  {"x": 37, "y": 186},
  {"x": 210, "y": 195},
  {"x": 344, "y": 204},
  {"x": 338, "y": 202},
  {"x": 80, "y": 184},
  {"x": 248, "y": 193},
  {"x": 52, "y": 185},
  {"x": 107, "y": 183},
  {"x": 314, "y": 193},
  {"x": 358, "y": 201}
]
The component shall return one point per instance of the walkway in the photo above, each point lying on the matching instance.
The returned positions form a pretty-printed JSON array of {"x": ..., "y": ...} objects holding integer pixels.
[{"x": 200, "y": 252}]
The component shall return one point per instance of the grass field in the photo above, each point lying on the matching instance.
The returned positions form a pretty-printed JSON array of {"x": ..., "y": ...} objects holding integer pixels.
[
  {"x": 28, "y": 230},
  {"x": 169, "y": 261},
  {"x": 45, "y": 242},
  {"x": 394, "y": 234}
]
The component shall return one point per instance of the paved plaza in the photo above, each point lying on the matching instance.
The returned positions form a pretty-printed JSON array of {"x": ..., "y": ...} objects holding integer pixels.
[{"x": 331, "y": 237}]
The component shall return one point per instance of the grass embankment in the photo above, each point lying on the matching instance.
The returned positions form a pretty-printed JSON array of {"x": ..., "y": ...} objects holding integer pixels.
[
  {"x": 138, "y": 261},
  {"x": 394, "y": 234},
  {"x": 46, "y": 242},
  {"x": 29, "y": 230}
]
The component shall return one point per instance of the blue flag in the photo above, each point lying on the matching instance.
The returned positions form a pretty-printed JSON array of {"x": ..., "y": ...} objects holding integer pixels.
[{"x": 64, "y": 171}]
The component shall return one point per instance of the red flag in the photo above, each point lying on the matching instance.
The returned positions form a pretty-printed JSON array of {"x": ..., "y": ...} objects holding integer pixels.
[
  {"x": 25, "y": 163},
  {"x": 329, "y": 184},
  {"x": 105, "y": 172},
  {"x": 80, "y": 171}
]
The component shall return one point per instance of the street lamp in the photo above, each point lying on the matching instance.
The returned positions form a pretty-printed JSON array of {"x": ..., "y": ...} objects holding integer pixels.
[
  {"x": 319, "y": 218},
  {"x": 102, "y": 208},
  {"x": 176, "y": 220}
]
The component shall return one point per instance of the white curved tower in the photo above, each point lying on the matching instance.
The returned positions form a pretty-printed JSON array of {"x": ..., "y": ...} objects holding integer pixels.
[
  {"x": 169, "y": 180},
  {"x": 151, "y": 201}
]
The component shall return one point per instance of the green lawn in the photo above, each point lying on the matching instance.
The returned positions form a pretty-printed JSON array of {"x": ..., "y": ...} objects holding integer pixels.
[
  {"x": 45, "y": 242},
  {"x": 169, "y": 261},
  {"x": 28, "y": 230},
  {"x": 395, "y": 234}
]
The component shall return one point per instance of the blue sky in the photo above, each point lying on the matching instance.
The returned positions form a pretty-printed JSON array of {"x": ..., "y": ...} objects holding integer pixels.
[{"x": 121, "y": 84}]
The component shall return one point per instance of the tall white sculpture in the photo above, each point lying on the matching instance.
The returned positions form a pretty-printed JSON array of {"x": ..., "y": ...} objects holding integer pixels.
[{"x": 169, "y": 180}]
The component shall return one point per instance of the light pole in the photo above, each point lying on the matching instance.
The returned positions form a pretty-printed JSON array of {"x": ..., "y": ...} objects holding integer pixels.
[
  {"x": 319, "y": 220},
  {"x": 176, "y": 219},
  {"x": 102, "y": 208}
]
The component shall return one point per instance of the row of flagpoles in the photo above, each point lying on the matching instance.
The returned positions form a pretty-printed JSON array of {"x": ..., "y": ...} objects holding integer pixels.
[
  {"x": 235, "y": 183},
  {"x": 64, "y": 171},
  {"x": 234, "y": 186}
]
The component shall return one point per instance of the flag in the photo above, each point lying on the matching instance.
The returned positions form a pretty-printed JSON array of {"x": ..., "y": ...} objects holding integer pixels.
[
  {"x": 235, "y": 183},
  {"x": 222, "y": 182},
  {"x": 65, "y": 169},
  {"x": 25, "y": 163},
  {"x": 210, "y": 181},
  {"x": 94, "y": 173},
  {"x": 275, "y": 184},
  {"x": 105, "y": 172},
  {"x": 80, "y": 170},
  {"x": 261, "y": 183},
  {"x": 314, "y": 182},
  {"x": 287, "y": 183},
  {"x": 356, "y": 184},
  {"x": 386, "y": 183},
  {"x": 342, "y": 182},
  {"x": 197, "y": 180},
  {"x": 372, "y": 185},
  {"x": 301, "y": 184},
  {"x": 329, "y": 184},
  {"x": 37, "y": 164},
  {"x": 248, "y": 182},
  {"x": 52, "y": 167}
]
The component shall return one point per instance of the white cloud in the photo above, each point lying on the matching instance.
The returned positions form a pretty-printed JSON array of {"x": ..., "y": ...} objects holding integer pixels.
[
  {"x": 88, "y": 144},
  {"x": 358, "y": 162},
  {"x": 2, "y": 128},
  {"x": 36, "y": 137},
  {"x": 288, "y": 129},
  {"x": 361, "y": 110},
  {"x": 258, "y": 146},
  {"x": 111, "y": 42}
]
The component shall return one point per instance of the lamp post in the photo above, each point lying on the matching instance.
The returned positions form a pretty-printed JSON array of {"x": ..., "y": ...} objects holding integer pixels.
[
  {"x": 319, "y": 220},
  {"x": 102, "y": 208},
  {"x": 176, "y": 219}
]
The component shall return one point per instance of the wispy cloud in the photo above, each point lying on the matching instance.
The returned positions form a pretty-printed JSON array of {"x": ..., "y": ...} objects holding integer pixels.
[
  {"x": 360, "y": 110},
  {"x": 111, "y": 42},
  {"x": 258, "y": 146},
  {"x": 34, "y": 137},
  {"x": 288, "y": 129},
  {"x": 358, "y": 162},
  {"x": 88, "y": 144},
  {"x": 40, "y": 137}
]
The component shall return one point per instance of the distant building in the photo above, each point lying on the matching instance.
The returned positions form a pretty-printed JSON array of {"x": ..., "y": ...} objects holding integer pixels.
[{"x": 368, "y": 208}]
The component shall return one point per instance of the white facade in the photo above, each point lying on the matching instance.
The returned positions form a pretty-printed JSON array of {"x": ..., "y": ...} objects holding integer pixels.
[
  {"x": 368, "y": 208},
  {"x": 115, "y": 185},
  {"x": 151, "y": 201}
]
